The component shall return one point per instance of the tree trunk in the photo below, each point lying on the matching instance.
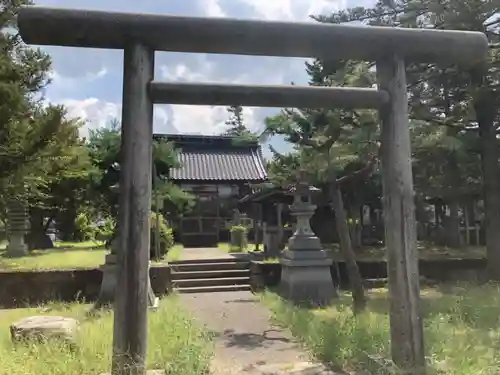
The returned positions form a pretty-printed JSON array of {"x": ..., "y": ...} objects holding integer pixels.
[
  {"x": 66, "y": 224},
  {"x": 485, "y": 108},
  {"x": 453, "y": 228},
  {"x": 354, "y": 227},
  {"x": 38, "y": 237},
  {"x": 358, "y": 293},
  {"x": 453, "y": 177}
]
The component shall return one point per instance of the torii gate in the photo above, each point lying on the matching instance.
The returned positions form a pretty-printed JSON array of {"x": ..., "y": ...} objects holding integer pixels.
[{"x": 139, "y": 35}]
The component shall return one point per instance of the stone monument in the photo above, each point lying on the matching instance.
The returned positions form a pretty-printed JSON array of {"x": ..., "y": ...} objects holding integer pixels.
[{"x": 305, "y": 275}]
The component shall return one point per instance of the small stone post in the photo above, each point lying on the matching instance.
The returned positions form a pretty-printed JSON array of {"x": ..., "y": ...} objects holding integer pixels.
[
  {"x": 109, "y": 273},
  {"x": 305, "y": 275},
  {"x": 17, "y": 220}
]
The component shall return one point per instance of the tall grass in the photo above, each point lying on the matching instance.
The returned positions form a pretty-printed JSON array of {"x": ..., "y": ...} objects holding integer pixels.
[
  {"x": 462, "y": 331},
  {"x": 176, "y": 344}
]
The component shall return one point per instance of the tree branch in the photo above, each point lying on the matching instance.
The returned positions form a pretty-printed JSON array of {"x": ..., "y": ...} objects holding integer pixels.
[{"x": 363, "y": 172}]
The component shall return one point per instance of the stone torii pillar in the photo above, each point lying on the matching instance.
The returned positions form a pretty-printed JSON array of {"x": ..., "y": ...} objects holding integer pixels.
[{"x": 139, "y": 35}]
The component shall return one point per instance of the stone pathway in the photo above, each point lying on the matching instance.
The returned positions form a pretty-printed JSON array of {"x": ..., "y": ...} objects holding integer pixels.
[
  {"x": 246, "y": 342},
  {"x": 194, "y": 253}
]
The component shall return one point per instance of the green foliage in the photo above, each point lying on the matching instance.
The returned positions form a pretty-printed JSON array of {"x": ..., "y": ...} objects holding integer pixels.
[
  {"x": 85, "y": 229},
  {"x": 166, "y": 236},
  {"x": 442, "y": 102},
  {"x": 104, "y": 151},
  {"x": 33, "y": 137},
  {"x": 239, "y": 238},
  {"x": 237, "y": 127},
  {"x": 106, "y": 229},
  {"x": 327, "y": 141}
]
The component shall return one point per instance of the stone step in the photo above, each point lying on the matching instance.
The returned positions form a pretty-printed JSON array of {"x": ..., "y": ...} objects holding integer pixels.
[
  {"x": 209, "y": 274},
  {"x": 375, "y": 283},
  {"x": 188, "y": 283},
  {"x": 193, "y": 267},
  {"x": 214, "y": 289},
  {"x": 211, "y": 260}
]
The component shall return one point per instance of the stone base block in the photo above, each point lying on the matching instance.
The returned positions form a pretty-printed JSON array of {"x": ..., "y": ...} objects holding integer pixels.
[
  {"x": 108, "y": 285},
  {"x": 16, "y": 246},
  {"x": 307, "y": 282},
  {"x": 304, "y": 242}
]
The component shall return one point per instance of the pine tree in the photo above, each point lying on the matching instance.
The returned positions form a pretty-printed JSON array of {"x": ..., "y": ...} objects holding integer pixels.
[
  {"x": 327, "y": 141},
  {"x": 445, "y": 98},
  {"x": 236, "y": 125}
]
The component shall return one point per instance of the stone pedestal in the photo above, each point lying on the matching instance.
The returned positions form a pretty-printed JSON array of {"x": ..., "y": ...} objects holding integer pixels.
[
  {"x": 305, "y": 275},
  {"x": 307, "y": 281},
  {"x": 271, "y": 241},
  {"x": 109, "y": 281},
  {"x": 17, "y": 220}
]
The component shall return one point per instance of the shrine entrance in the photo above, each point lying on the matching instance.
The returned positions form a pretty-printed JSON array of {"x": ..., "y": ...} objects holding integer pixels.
[{"x": 140, "y": 35}]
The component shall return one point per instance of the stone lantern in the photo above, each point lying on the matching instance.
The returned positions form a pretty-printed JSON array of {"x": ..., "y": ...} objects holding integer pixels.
[
  {"x": 305, "y": 277},
  {"x": 18, "y": 226}
]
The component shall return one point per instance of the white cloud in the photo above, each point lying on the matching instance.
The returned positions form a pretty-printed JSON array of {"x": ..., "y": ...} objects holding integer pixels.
[
  {"x": 183, "y": 72},
  {"x": 103, "y": 103},
  {"x": 212, "y": 8},
  {"x": 94, "y": 112},
  {"x": 64, "y": 82},
  {"x": 202, "y": 119},
  {"x": 292, "y": 10}
]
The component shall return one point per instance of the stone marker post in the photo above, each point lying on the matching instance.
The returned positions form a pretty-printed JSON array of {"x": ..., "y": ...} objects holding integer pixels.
[{"x": 109, "y": 275}]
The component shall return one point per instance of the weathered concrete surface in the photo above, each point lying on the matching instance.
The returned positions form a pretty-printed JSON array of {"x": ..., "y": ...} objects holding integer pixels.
[
  {"x": 246, "y": 342},
  {"x": 195, "y": 253},
  {"x": 98, "y": 29}
]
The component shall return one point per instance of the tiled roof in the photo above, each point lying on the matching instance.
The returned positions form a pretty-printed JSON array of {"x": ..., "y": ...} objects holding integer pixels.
[
  {"x": 216, "y": 158},
  {"x": 243, "y": 164}
]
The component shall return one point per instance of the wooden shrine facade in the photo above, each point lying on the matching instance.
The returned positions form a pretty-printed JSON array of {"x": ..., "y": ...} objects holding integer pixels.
[{"x": 217, "y": 170}]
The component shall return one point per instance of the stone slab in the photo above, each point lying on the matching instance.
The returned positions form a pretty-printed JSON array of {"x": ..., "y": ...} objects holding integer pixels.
[{"x": 44, "y": 327}]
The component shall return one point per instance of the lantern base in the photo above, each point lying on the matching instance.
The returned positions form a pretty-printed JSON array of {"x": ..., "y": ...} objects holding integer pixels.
[
  {"x": 109, "y": 282},
  {"x": 307, "y": 281}
]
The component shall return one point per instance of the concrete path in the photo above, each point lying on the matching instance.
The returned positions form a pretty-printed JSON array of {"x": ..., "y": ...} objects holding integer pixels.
[
  {"x": 197, "y": 253},
  {"x": 246, "y": 342},
  {"x": 193, "y": 253}
]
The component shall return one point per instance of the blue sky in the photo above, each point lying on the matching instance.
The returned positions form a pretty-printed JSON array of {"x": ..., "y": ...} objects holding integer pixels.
[{"x": 89, "y": 82}]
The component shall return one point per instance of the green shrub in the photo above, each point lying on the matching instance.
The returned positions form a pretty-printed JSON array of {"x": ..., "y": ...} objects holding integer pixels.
[
  {"x": 166, "y": 237},
  {"x": 105, "y": 231},
  {"x": 239, "y": 238},
  {"x": 84, "y": 228}
]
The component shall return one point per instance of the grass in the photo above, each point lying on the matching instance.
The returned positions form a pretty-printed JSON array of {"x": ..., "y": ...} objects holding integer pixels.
[
  {"x": 176, "y": 344},
  {"x": 462, "y": 331},
  {"x": 426, "y": 251},
  {"x": 174, "y": 253},
  {"x": 68, "y": 255}
]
